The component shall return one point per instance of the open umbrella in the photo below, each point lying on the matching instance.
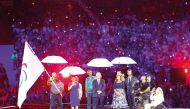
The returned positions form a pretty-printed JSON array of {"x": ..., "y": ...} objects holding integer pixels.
[
  {"x": 54, "y": 60},
  {"x": 123, "y": 60},
  {"x": 72, "y": 70},
  {"x": 100, "y": 62}
]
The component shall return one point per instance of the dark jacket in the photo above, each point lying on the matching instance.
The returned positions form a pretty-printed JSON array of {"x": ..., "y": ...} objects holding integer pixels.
[
  {"x": 101, "y": 86},
  {"x": 130, "y": 86}
]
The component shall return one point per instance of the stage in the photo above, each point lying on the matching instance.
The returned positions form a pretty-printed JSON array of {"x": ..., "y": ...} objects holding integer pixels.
[
  {"x": 46, "y": 106},
  {"x": 65, "y": 106}
]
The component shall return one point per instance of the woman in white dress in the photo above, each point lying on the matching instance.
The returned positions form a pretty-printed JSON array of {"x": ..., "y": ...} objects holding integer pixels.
[{"x": 156, "y": 98}]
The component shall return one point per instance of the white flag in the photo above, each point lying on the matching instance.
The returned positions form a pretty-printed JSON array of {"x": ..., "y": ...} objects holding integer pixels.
[{"x": 31, "y": 69}]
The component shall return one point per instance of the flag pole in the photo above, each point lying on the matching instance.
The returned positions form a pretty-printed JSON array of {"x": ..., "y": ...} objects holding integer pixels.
[
  {"x": 45, "y": 70},
  {"x": 52, "y": 81}
]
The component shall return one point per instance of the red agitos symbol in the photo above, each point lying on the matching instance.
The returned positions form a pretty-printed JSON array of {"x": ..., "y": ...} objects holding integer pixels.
[{"x": 23, "y": 74}]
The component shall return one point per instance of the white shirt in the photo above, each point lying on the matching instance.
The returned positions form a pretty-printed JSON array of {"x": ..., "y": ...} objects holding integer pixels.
[
  {"x": 98, "y": 80},
  {"x": 59, "y": 85},
  {"x": 129, "y": 79}
]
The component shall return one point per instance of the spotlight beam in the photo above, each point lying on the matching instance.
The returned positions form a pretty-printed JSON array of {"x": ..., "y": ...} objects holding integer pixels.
[{"x": 90, "y": 14}]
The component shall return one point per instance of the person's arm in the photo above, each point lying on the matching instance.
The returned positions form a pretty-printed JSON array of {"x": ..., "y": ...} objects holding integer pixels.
[
  {"x": 154, "y": 87},
  {"x": 103, "y": 86},
  {"x": 115, "y": 91},
  {"x": 123, "y": 86},
  {"x": 70, "y": 86},
  {"x": 86, "y": 87},
  {"x": 80, "y": 87},
  {"x": 123, "y": 77},
  {"x": 62, "y": 88},
  {"x": 49, "y": 82},
  {"x": 94, "y": 87},
  {"x": 134, "y": 81},
  {"x": 125, "y": 83},
  {"x": 79, "y": 97},
  {"x": 146, "y": 90}
]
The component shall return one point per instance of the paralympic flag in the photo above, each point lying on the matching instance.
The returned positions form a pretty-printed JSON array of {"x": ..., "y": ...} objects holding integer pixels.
[{"x": 31, "y": 69}]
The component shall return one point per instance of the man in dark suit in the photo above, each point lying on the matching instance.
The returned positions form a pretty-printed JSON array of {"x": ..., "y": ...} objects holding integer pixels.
[
  {"x": 98, "y": 91},
  {"x": 129, "y": 84}
]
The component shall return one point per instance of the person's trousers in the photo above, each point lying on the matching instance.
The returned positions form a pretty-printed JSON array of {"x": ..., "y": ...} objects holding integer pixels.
[
  {"x": 130, "y": 99},
  {"x": 96, "y": 100},
  {"x": 89, "y": 100},
  {"x": 56, "y": 98}
]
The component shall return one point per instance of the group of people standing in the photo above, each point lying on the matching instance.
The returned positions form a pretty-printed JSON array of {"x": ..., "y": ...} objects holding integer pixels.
[
  {"x": 128, "y": 92},
  {"x": 57, "y": 87}
]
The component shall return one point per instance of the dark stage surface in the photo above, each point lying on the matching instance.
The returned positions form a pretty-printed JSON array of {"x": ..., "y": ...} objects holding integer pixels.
[
  {"x": 46, "y": 106},
  {"x": 65, "y": 106}
]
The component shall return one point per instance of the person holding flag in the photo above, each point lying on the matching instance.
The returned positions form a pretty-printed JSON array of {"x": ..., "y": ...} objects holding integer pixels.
[
  {"x": 55, "y": 95},
  {"x": 31, "y": 70}
]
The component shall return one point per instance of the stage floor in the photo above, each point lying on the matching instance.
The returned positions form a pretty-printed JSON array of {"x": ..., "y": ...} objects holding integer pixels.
[
  {"x": 65, "y": 106},
  {"x": 46, "y": 106}
]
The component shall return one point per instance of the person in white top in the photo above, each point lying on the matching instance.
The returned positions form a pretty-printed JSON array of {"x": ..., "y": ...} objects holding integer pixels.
[{"x": 156, "y": 98}]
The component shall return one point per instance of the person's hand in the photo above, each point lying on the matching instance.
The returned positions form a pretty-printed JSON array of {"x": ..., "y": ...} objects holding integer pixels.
[
  {"x": 61, "y": 94},
  {"x": 73, "y": 84},
  {"x": 117, "y": 93},
  {"x": 99, "y": 92},
  {"x": 79, "y": 97},
  {"x": 51, "y": 79}
]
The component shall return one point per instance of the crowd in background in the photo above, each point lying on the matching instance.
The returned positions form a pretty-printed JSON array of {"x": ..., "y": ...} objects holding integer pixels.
[
  {"x": 156, "y": 46},
  {"x": 7, "y": 93},
  {"x": 151, "y": 45}
]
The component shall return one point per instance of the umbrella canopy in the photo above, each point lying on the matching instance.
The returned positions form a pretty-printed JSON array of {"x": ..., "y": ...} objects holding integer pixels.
[
  {"x": 123, "y": 60},
  {"x": 72, "y": 70},
  {"x": 100, "y": 62},
  {"x": 54, "y": 60}
]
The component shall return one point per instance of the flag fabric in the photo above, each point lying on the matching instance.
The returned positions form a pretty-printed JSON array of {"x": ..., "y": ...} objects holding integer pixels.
[{"x": 31, "y": 69}]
